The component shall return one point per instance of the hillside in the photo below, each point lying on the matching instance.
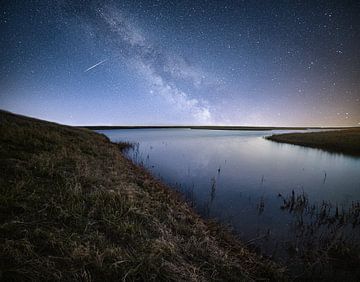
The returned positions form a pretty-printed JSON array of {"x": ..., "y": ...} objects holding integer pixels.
[{"x": 74, "y": 208}]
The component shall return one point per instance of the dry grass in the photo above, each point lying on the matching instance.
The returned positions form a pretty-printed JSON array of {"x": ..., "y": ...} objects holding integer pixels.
[
  {"x": 341, "y": 141},
  {"x": 74, "y": 208}
]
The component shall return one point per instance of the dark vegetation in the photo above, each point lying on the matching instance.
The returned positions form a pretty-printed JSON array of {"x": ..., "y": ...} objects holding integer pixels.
[
  {"x": 206, "y": 127},
  {"x": 325, "y": 241},
  {"x": 345, "y": 141},
  {"x": 72, "y": 207}
]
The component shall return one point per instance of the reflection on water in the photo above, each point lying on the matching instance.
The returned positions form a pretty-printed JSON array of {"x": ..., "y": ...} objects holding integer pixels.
[{"x": 236, "y": 176}]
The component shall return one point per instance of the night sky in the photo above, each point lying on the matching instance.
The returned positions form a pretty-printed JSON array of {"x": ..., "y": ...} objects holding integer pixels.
[{"x": 281, "y": 63}]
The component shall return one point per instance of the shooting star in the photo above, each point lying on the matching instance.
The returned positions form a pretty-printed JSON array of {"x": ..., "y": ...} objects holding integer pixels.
[{"x": 94, "y": 66}]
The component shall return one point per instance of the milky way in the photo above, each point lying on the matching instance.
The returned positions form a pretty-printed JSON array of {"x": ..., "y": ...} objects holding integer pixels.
[{"x": 282, "y": 63}]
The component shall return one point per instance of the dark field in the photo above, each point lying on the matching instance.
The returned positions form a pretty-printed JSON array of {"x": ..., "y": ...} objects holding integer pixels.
[
  {"x": 345, "y": 141},
  {"x": 74, "y": 208},
  {"x": 205, "y": 127}
]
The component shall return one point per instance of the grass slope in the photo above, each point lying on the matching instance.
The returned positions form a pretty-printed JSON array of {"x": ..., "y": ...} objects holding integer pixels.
[
  {"x": 72, "y": 207},
  {"x": 342, "y": 141}
]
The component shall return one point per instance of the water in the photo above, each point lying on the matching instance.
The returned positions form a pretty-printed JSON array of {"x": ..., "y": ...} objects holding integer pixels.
[{"x": 236, "y": 176}]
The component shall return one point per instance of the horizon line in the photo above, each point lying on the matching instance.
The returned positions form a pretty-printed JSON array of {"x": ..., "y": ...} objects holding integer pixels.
[
  {"x": 266, "y": 127},
  {"x": 211, "y": 127}
]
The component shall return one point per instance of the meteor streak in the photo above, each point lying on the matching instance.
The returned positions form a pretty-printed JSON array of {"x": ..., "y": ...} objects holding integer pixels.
[{"x": 94, "y": 66}]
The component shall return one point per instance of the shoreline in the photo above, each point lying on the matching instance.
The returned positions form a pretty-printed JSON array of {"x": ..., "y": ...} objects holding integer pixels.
[
  {"x": 74, "y": 207},
  {"x": 200, "y": 127},
  {"x": 345, "y": 141}
]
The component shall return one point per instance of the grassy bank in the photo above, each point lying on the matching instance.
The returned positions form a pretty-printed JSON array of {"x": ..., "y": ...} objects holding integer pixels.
[
  {"x": 341, "y": 141},
  {"x": 74, "y": 208}
]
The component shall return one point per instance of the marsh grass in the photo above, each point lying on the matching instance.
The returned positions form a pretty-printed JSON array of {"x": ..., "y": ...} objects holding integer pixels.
[
  {"x": 325, "y": 242},
  {"x": 125, "y": 146},
  {"x": 345, "y": 141},
  {"x": 74, "y": 208}
]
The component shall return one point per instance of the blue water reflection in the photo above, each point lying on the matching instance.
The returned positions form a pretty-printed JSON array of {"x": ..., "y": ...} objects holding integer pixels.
[{"x": 236, "y": 176}]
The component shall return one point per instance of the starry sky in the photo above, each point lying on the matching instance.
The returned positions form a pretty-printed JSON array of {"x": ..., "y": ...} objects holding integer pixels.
[{"x": 276, "y": 63}]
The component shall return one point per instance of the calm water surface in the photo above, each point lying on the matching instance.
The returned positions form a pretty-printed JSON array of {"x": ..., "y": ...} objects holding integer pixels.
[{"x": 236, "y": 176}]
